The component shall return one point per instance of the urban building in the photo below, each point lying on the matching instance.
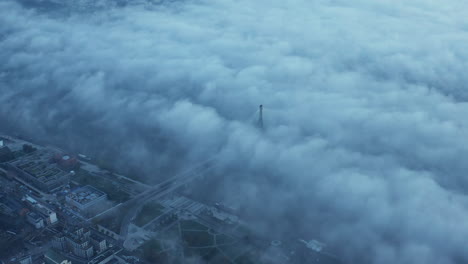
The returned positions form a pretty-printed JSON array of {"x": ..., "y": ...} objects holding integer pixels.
[
  {"x": 86, "y": 198},
  {"x": 107, "y": 257},
  {"x": 100, "y": 245},
  {"x": 66, "y": 161},
  {"x": 81, "y": 242},
  {"x": 5, "y": 153},
  {"x": 45, "y": 212},
  {"x": 36, "y": 168},
  {"x": 59, "y": 242},
  {"x": 25, "y": 260},
  {"x": 54, "y": 257},
  {"x": 109, "y": 229},
  {"x": 35, "y": 220}
]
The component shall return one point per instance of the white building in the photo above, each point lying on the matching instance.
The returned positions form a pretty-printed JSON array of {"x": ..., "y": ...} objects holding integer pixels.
[
  {"x": 86, "y": 197},
  {"x": 48, "y": 215},
  {"x": 35, "y": 220}
]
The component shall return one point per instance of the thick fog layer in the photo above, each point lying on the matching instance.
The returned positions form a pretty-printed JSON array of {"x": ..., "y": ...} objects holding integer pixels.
[{"x": 366, "y": 120}]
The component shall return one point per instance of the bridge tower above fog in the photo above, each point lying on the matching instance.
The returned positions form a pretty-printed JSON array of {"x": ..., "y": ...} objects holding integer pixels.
[{"x": 260, "y": 117}]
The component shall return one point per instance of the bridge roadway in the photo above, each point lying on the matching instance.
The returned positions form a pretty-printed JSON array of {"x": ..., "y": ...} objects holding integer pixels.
[{"x": 162, "y": 189}]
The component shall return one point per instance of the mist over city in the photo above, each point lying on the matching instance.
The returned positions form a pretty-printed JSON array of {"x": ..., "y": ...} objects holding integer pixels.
[{"x": 335, "y": 130}]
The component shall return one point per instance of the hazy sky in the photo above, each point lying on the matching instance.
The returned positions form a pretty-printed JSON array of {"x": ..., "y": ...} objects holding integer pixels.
[{"x": 366, "y": 120}]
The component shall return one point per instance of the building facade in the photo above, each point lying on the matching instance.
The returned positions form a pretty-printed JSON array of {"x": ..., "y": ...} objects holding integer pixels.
[
  {"x": 81, "y": 242},
  {"x": 35, "y": 220},
  {"x": 86, "y": 198},
  {"x": 49, "y": 216}
]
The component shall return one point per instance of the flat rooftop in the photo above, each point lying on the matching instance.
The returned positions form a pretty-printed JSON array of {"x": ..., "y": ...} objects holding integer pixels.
[
  {"x": 38, "y": 165},
  {"x": 34, "y": 216},
  {"x": 85, "y": 194}
]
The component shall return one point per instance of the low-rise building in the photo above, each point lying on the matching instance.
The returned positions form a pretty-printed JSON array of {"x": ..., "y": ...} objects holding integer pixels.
[
  {"x": 81, "y": 242},
  {"x": 86, "y": 198},
  {"x": 25, "y": 260},
  {"x": 54, "y": 257},
  {"x": 36, "y": 169},
  {"x": 35, "y": 220},
  {"x": 41, "y": 209},
  {"x": 59, "y": 242},
  {"x": 100, "y": 245},
  {"x": 110, "y": 230}
]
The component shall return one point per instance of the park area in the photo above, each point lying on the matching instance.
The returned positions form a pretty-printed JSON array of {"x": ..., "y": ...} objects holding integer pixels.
[
  {"x": 148, "y": 213},
  {"x": 111, "y": 188},
  {"x": 199, "y": 241},
  {"x": 191, "y": 239}
]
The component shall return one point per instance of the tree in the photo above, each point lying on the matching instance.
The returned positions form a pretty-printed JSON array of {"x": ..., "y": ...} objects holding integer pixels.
[
  {"x": 28, "y": 148},
  {"x": 6, "y": 154}
]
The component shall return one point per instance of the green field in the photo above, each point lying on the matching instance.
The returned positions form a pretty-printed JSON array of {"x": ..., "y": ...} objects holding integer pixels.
[
  {"x": 222, "y": 239},
  {"x": 113, "y": 220},
  {"x": 149, "y": 212},
  {"x": 199, "y": 242},
  {"x": 197, "y": 238},
  {"x": 192, "y": 225},
  {"x": 112, "y": 189},
  {"x": 153, "y": 252},
  {"x": 18, "y": 153},
  {"x": 171, "y": 233},
  {"x": 247, "y": 259}
]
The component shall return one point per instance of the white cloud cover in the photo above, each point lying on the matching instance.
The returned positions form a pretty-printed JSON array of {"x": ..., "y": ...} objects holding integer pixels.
[{"x": 365, "y": 111}]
